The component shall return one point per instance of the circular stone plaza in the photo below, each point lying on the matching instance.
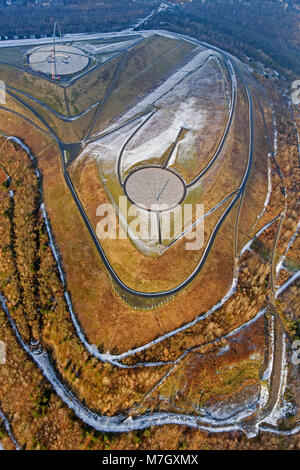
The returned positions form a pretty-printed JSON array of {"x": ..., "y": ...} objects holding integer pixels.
[
  {"x": 58, "y": 60},
  {"x": 155, "y": 189}
]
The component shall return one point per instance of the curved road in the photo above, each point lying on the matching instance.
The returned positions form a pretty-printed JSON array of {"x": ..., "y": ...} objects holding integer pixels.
[
  {"x": 120, "y": 423},
  {"x": 96, "y": 241}
]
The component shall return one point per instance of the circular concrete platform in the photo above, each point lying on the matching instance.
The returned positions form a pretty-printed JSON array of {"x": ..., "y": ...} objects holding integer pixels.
[
  {"x": 68, "y": 59},
  {"x": 154, "y": 189}
]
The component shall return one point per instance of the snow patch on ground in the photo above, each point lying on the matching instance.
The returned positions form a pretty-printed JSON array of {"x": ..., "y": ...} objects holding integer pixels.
[
  {"x": 4, "y": 419},
  {"x": 280, "y": 264},
  {"x": 284, "y": 286},
  {"x": 268, "y": 371},
  {"x": 282, "y": 407},
  {"x": 168, "y": 84},
  {"x": 186, "y": 115},
  {"x": 228, "y": 414}
]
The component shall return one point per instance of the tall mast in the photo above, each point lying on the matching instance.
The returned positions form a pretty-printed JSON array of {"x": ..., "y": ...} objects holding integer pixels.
[{"x": 56, "y": 25}]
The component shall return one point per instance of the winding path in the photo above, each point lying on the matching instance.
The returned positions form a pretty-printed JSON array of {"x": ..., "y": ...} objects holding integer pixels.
[{"x": 123, "y": 423}]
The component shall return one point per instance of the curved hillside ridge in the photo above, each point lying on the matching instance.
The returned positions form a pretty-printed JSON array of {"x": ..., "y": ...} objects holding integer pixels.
[
  {"x": 68, "y": 37},
  {"x": 195, "y": 129},
  {"x": 171, "y": 82},
  {"x": 190, "y": 114},
  {"x": 83, "y": 37},
  {"x": 193, "y": 124},
  {"x": 218, "y": 350}
]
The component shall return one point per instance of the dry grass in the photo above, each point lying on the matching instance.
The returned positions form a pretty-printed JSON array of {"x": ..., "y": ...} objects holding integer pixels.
[
  {"x": 67, "y": 131},
  {"x": 42, "y": 89},
  {"x": 142, "y": 73},
  {"x": 137, "y": 270},
  {"x": 228, "y": 372}
]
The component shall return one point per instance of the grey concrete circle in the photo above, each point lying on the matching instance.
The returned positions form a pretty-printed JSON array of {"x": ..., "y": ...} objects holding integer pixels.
[
  {"x": 154, "y": 188},
  {"x": 68, "y": 59}
]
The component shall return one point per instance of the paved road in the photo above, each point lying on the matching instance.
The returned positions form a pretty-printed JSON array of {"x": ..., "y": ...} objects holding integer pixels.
[
  {"x": 110, "y": 88},
  {"x": 228, "y": 127},
  {"x": 202, "y": 261},
  {"x": 59, "y": 115},
  {"x": 279, "y": 330},
  {"x": 96, "y": 241}
]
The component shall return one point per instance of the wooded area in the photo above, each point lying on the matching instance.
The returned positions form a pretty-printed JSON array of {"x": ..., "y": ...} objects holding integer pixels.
[
  {"x": 266, "y": 30},
  {"x": 110, "y": 15}
]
